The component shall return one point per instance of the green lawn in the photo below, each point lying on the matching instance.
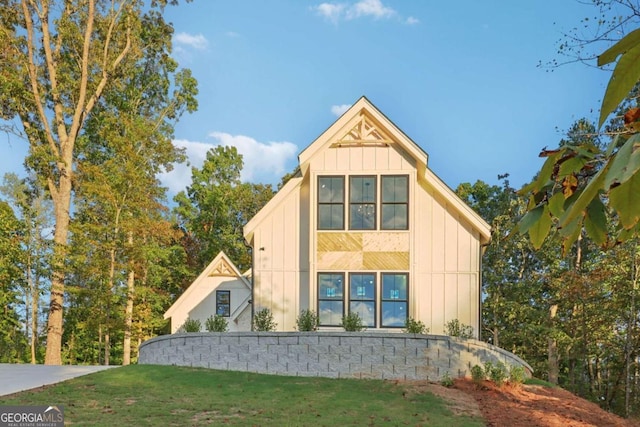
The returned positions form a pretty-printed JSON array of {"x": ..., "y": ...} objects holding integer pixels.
[{"x": 141, "y": 395}]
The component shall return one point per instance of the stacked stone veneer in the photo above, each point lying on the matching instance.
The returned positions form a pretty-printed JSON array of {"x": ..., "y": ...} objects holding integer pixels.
[{"x": 328, "y": 354}]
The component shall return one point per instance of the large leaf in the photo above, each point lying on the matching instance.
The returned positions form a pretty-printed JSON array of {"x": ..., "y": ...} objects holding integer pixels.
[
  {"x": 544, "y": 175},
  {"x": 556, "y": 204},
  {"x": 624, "y": 44},
  {"x": 595, "y": 222},
  {"x": 540, "y": 229},
  {"x": 530, "y": 218},
  {"x": 625, "y": 163},
  {"x": 588, "y": 194},
  {"x": 625, "y": 75},
  {"x": 625, "y": 201}
]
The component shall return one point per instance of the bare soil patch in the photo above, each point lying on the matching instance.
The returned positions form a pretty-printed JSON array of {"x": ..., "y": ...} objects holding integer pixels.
[{"x": 525, "y": 405}]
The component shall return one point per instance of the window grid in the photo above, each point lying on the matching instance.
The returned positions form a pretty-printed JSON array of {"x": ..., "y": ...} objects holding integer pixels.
[
  {"x": 223, "y": 303},
  {"x": 331, "y": 203}
]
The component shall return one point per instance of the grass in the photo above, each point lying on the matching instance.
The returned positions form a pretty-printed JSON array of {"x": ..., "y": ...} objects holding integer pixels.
[
  {"x": 176, "y": 396},
  {"x": 538, "y": 381}
]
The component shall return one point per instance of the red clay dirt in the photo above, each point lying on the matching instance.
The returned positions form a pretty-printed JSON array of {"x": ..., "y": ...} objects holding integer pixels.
[{"x": 524, "y": 405}]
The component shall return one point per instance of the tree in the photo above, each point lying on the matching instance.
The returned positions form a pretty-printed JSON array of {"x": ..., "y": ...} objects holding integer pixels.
[
  {"x": 217, "y": 205},
  {"x": 60, "y": 60}
]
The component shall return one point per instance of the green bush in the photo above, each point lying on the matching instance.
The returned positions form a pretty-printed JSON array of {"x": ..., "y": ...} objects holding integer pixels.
[
  {"x": 498, "y": 374},
  {"x": 446, "y": 380},
  {"x": 477, "y": 374},
  {"x": 263, "y": 321},
  {"x": 352, "y": 323},
  {"x": 454, "y": 328},
  {"x": 191, "y": 325},
  {"x": 307, "y": 321},
  {"x": 216, "y": 323},
  {"x": 413, "y": 326},
  {"x": 517, "y": 375}
]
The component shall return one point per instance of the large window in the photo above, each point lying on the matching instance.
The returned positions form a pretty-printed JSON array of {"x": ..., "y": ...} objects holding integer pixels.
[
  {"x": 362, "y": 203},
  {"x": 362, "y": 297},
  {"x": 330, "y": 298},
  {"x": 394, "y": 300},
  {"x": 223, "y": 303},
  {"x": 331, "y": 203},
  {"x": 395, "y": 202},
  {"x": 368, "y": 206},
  {"x": 380, "y": 299}
]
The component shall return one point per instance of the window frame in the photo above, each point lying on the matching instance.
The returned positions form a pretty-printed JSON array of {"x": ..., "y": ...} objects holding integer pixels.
[
  {"x": 394, "y": 203},
  {"x": 373, "y": 300},
  {"x": 332, "y": 203},
  {"x": 342, "y": 300},
  {"x": 383, "y": 299},
  {"x": 221, "y": 305},
  {"x": 373, "y": 202}
]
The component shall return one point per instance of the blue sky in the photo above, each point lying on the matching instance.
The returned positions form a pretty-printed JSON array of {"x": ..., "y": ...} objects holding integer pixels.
[{"x": 459, "y": 78}]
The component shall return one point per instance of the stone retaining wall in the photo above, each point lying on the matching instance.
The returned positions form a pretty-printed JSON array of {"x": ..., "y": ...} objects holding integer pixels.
[{"x": 328, "y": 354}]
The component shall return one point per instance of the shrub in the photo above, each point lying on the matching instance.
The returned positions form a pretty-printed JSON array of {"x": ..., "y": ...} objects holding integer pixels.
[
  {"x": 191, "y": 325},
  {"x": 454, "y": 328},
  {"x": 307, "y": 321},
  {"x": 517, "y": 375},
  {"x": 263, "y": 321},
  {"x": 498, "y": 374},
  {"x": 446, "y": 380},
  {"x": 413, "y": 326},
  {"x": 352, "y": 323},
  {"x": 477, "y": 374},
  {"x": 216, "y": 323}
]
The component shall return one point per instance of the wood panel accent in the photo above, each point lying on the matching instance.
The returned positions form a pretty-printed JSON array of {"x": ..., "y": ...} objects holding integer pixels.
[
  {"x": 340, "y": 261},
  {"x": 385, "y": 242},
  {"x": 339, "y": 242},
  {"x": 385, "y": 261}
]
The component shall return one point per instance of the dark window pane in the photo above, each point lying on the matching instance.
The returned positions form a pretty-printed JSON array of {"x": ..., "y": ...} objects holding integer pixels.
[
  {"x": 223, "y": 303},
  {"x": 394, "y": 314},
  {"x": 362, "y": 287},
  {"x": 394, "y": 286},
  {"x": 330, "y": 298},
  {"x": 395, "y": 203},
  {"x": 394, "y": 217},
  {"x": 331, "y": 203},
  {"x": 395, "y": 189},
  {"x": 363, "y": 217},
  {"x": 362, "y": 198},
  {"x": 331, "y": 189},
  {"x": 363, "y": 189},
  {"x": 331, "y": 217}
]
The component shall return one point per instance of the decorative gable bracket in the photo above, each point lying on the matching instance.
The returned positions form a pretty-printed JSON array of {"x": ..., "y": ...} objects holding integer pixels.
[{"x": 364, "y": 132}]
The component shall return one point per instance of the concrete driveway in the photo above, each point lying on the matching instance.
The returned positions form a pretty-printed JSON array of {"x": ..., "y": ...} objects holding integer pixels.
[{"x": 20, "y": 377}]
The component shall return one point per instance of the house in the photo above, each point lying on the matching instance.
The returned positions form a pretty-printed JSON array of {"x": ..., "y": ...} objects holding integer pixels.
[
  {"x": 219, "y": 289},
  {"x": 366, "y": 227},
  {"x": 363, "y": 227}
]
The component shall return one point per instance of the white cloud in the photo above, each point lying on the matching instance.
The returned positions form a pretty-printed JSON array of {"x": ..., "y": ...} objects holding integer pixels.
[
  {"x": 364, "y": 8},
  {"x": 373, "y": 8},
  {"x": 232, "y": 34},
  {"x": 339, "y": 110},
  {"x": 412, "y": 21},
  {"x": 264, "y": 162},
  {"x": 198, "y": 41}
]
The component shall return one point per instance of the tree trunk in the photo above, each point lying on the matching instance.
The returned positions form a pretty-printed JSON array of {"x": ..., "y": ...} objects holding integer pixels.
[
  {"x": 128, "y": 314},
  {"x": 553, "y": 348},
  {"x": 61, "y": 197}
]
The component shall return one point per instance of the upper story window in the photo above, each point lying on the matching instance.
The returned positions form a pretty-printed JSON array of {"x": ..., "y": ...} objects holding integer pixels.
[
  {"x": 362, "y": 203},
  {"x": 395, "y": 202},
  {"x": 223, "y": 303},
  {"x": 368, "y": 206},
  {"x": 331, "y": 203}
]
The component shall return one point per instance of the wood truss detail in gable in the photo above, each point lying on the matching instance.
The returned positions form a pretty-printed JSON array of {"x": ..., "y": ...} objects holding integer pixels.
[
  {"x": 364, "y": 132},
  {"x": 222, "y": 268}
]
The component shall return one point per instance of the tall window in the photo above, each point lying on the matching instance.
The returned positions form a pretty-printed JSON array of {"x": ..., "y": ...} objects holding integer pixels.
[
  {"x": 223, "y": 303},
  {"x": 362, "y": 203},
  {"x": 331, "y": 203},
  {"x": 394, "y": 300},
  {"x": 395, "y": 202},
  {"x": 362, "y": 297},
  {"x": 330, "y": 298}
]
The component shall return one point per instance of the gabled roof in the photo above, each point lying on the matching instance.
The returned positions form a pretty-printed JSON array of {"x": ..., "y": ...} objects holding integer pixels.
[
  {"x": 362, "y": 125},
  {"x": 220, "y": 266}
]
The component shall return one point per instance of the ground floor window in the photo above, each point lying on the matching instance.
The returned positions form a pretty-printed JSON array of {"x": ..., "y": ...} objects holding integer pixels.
[
  {"x": 380, "y": 299},
  {"x": 223, "y": 303}
]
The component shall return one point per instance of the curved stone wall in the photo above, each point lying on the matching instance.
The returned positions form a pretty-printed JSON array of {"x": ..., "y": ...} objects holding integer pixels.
[{"x": 328, "y": 354}]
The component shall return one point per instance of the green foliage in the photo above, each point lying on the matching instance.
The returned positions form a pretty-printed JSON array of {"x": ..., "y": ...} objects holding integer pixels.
[
  {"x": 454, "y": 328},
  {"x": 216, "y": 323},
  {"x": 263, "y": 321},
  {"x": 497, "y": 373},
  {"x": 446, "y": 380},
  {"x": 352, "y": 322},
  {"x": 191, "y": 325},
  {"x": 517, "y": 375},
  {"x": 413, "y": 326},
  {"x": 307, "y": 321},
  {"x": 477, "y": 374}
]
